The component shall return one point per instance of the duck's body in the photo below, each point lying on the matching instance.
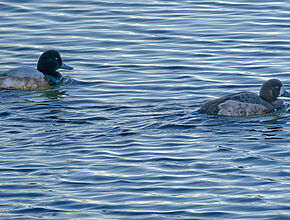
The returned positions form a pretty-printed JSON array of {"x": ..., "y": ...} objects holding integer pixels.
[
  {"x": 28, "y": 78},
  {"x": 248, "y": 103},
  {"x": 23, "y": 78}
]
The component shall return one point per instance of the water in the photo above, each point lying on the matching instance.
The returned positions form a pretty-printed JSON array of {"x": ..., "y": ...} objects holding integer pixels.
[{"x": 121, "y": 138}]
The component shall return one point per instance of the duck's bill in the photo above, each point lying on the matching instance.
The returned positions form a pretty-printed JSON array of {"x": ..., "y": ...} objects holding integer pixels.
[
  {"x": 286, "y": 94},
  {"x": 63, "y": 66}
]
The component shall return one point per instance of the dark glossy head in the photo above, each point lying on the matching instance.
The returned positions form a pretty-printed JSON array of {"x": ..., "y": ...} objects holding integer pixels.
[
  {"x": 49, "y": 62},
  {"x": 272, "y": 89}
]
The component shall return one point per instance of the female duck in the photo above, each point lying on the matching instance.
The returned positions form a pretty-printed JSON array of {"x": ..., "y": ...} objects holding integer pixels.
[
  {"x": 248, "y": 103},
  {"x": 27, "y": 78}
]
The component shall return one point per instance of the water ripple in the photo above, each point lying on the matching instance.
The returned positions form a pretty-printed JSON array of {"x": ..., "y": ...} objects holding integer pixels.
[{"x": 120, "y": 137}]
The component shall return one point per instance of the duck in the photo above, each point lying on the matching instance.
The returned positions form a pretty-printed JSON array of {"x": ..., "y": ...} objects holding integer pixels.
[
  {"x": 248, "y": 103},
  {"x": 29, "y": 78}
]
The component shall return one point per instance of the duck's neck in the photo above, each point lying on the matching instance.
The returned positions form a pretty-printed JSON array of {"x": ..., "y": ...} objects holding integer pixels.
[
  {"x": 268, "y": 96},
  {"x": 53, "y": 80}
]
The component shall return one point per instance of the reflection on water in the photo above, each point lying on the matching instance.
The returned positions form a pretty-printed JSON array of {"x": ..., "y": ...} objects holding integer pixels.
[{"x": 54, "y": 94}]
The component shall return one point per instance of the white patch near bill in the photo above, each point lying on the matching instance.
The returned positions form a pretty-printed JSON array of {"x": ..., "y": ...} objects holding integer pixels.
[
  {"x": 236, "y": 108},
  {"x": 282, "y": 91}
]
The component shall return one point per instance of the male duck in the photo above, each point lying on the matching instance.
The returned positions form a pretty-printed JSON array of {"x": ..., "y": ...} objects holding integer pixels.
[
  {"x": 248, "y": 103},
  {"x": 27, "y": 78}
]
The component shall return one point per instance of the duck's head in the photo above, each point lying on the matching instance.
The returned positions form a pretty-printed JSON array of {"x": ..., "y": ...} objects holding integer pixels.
[
  {"x": 272, "y": 89},
  {"x": 49, "y": 62}
]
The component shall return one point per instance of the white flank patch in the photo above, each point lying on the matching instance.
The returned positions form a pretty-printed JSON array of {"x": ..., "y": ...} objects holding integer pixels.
[
  {"x": 236, "y": 108},
  {"x": 23, "y": 83},
  {"x": 12, "y": 83},
  {"x": 282, "y": 90}
]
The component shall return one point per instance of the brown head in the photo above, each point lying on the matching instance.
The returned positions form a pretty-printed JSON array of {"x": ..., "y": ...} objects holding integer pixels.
[{"x": 272, "y": 89}]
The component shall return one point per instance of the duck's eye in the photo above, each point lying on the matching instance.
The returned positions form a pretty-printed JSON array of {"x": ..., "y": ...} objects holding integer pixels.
[{"x": 56, "y": 58}]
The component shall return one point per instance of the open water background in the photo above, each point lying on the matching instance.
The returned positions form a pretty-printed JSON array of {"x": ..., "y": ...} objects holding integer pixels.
[{"x": 121, "y": 138}]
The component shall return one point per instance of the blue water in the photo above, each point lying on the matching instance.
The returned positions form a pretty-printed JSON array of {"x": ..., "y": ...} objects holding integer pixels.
[{"x": 121, "y": 138}]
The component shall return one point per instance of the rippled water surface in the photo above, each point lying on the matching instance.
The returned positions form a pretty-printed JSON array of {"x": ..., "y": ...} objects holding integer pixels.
[{"x": 121, "y": 138}]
